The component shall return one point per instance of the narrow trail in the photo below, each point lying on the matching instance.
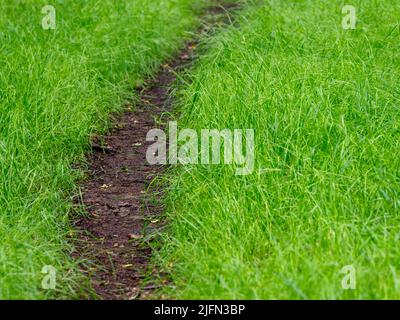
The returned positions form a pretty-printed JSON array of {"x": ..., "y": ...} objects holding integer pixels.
[{"x": 115, "y": 234}]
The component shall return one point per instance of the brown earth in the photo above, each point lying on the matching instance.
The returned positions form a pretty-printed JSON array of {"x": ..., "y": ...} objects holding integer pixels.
[{"x": 117, "y": 194}]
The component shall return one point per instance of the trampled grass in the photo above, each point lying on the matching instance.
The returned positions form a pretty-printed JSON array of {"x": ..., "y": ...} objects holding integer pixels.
[
  {"x": 325, "y": 191},
  {"x": 57, "y": 87}
]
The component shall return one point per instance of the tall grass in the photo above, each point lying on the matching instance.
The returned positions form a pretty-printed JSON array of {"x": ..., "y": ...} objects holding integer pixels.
[
  {"x": 324, "y": 104},
  {"x": 57, "y": 87}
]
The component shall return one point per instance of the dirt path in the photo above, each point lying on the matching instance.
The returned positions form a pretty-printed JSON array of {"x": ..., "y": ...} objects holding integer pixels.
[{"x": 115, "y": 233}]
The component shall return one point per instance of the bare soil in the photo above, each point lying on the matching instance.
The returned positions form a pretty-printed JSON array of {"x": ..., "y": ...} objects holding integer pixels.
[{"x": 117, "y": 194}]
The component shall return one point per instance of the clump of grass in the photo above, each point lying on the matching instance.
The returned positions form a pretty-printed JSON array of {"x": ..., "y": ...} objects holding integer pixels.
[
  {"x": 324, "y": 104},
  {"x": 56, "y": 88}
]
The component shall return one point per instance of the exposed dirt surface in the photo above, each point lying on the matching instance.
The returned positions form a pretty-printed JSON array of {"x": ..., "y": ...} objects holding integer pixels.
[{"x": 122, "y": 213}]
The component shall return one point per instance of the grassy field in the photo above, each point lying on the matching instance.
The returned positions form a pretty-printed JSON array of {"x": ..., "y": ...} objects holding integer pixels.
[
  {"x": 325, "y": 192},
  {"x": 323, "y": 101},
  {"x": 56, "y": 87}
]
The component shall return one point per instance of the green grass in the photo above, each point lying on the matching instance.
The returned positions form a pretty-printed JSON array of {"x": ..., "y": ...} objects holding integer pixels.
[
  {"x": 325, "y": 193},
  {"x": 56, "y": 88}
]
